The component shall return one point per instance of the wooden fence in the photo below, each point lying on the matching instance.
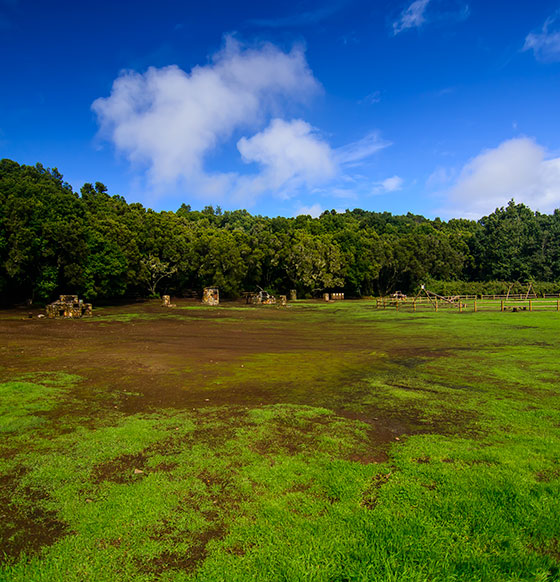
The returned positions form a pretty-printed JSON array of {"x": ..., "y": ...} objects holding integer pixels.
[{"x": 463, "y": 304}]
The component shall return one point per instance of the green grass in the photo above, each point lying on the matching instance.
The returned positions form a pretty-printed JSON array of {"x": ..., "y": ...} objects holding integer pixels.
[{"x": 461, "y": 412}]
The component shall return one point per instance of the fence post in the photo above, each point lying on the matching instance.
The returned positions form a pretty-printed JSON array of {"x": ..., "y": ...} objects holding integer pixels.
[
  {"x": 436, "y": 304},
  {"x": 530, "y": 305},
  {"x": 558, "y": 305},
  {"x": 460, "y": 306},
  {"x": 502, "y": 305},
  {"x": 397, "y": 304},
  {"x": 414, "y": 305},
  {"x": 474, "y": 304}
]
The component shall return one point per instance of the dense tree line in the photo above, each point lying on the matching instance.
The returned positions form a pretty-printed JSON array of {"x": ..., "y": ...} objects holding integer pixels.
[{"x": 54, "y": 240}]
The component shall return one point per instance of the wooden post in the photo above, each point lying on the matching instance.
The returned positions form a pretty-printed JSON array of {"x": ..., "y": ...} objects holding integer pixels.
[
  {"x": 530, "y": 305},
  {"x": 558, "y": 305},
  {"x": 397, "y": 304},
  {"x": 474, "y": 305},
  {"x": 502, "y": 305},
  {"x": 436, "y": 304},
  {"x": 460, "y": 306},
  {"x": 414, "y": 305}
]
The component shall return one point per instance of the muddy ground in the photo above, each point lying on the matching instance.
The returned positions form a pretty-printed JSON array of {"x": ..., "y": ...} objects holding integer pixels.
[{"x": 148, "y": 357}]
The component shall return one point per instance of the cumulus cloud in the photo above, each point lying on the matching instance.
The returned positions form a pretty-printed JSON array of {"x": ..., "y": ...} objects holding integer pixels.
[
  {"x": 169, "y": 122},
  {"x": 518, "y": 168},
  {"x": 170, "y": 119},
  {"x": 546, "y": 43},
  {"x": 290, "y": 153}
]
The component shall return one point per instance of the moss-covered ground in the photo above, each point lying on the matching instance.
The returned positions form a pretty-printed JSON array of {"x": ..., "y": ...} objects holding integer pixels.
[{"x": 322, "y": 442}]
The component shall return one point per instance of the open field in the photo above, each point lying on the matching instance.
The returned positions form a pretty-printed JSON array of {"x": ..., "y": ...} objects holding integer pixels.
[{"x": 327, "y": 442}]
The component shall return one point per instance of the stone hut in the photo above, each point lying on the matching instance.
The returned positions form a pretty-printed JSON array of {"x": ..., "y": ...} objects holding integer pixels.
[
  {"x": 211, "y": 296},
  {"x": 69, "y": 306}
]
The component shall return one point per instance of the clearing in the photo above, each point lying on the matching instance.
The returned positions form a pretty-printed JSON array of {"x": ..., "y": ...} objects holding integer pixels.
[{"x": 313, "y": 442}]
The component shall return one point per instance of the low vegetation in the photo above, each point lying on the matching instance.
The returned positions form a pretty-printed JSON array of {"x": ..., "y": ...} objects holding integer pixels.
[{"x": 317, "y": 442}]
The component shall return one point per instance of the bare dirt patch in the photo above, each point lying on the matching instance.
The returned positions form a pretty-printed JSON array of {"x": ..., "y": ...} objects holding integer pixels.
[
  {"x": 122, "y": 469},
  {"x": 175, "y": 358},
  {"x": 26, "y": 526}
]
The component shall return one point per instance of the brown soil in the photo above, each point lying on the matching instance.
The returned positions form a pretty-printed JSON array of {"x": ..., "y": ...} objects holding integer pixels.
[
  {"x": 173, "y": 357},
  {"x": 26, "y": 526}
]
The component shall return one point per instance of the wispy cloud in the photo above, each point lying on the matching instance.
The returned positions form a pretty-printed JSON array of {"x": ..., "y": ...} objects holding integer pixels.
[
  {"x": 371, "y": 99},
  {"x": 546, "y": 43},
  {"x": 422, "y": 12},
  {"x": 356, "y": 152},
  {"x": 518, "y": 168},
  {"x": 439, "y": 177},
  {"x": 411, "y": 17},
  {"x": 304, "y": 18}
]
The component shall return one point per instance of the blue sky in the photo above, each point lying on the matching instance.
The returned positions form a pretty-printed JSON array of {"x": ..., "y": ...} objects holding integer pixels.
[{"x": 438, "y": 107}]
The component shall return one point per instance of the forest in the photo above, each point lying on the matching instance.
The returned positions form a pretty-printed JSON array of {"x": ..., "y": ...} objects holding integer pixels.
[{"x": 54, "y": 240}]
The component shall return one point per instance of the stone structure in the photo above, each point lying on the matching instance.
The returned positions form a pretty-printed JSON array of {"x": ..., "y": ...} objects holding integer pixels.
[
  {"x": 261, "y": 297},
  {"x": 211, "y": 296},
  {"x": 293, "y": 295},
  {"x": 166, "y": 301},
  {"x": 283, "y": 300},
  {"x": 337, "y": 296},
  {"x": 69, "y": 306},
  {"x": 326, "y": 297}
]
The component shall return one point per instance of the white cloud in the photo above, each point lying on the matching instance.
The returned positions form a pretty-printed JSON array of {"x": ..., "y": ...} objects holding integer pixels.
[
  {"x": 545, "y": 44},
  {"x": 314, "y": 211},
  {"x": 517, "y": 169},
  {"x": 421, "y": 12},
  {"x": 440, "y": 176},
  {"x": 371, "y": 99},
  {"x": 169, "y": 122},
  {"x": 170, "y": 119},
  {"x": 290, "y": 155},
  {"x": 355, "y": 152},
  {"x": 411, "y": 17},
  {"x": 289, "y": 150},
  {"x": 392, "y": 184}
]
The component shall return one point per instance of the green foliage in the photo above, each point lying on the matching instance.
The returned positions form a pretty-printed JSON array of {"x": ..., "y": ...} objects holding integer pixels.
[{"x": 53, "y": 241}]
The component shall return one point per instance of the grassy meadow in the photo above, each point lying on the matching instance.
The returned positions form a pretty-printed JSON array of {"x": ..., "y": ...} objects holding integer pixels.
[{"x": 319, "y": 442}]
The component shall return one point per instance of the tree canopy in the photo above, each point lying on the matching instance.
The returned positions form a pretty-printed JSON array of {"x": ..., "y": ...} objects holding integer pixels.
[{"x": 54, "y": 240}]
